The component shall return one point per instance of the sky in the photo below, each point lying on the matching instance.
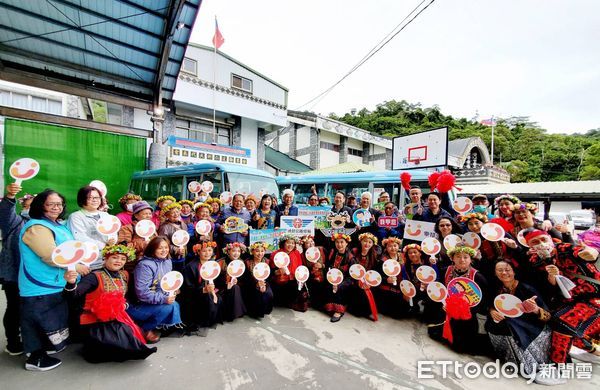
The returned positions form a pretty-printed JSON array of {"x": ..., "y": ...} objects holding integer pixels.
[{"x": 536, "y": 58}]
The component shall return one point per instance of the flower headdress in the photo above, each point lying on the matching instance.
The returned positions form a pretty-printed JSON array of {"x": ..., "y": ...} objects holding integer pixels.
[
  {"x": 411, "y": 246},
  {"x": 206, "y": 244},
  {"x": 169, "y": 207},
  {"x": 288, "y": 236},
  {"x": 513, "y": 199},
  {"x": 199, "y": 205},
  {"x": 482, "y": 217},
  {"x": 391, "y": 240},
  {"x": 336, "y": 236},
  {"x": 525, "y": 206},
  {"x": 255, "y": 245},
  {"x": 165, "y": 197},
  {"x": 232, "y": 245},
  {"x": 368, "y": 236},
  {"x": 119, "y": 249},
  {"x": 461, "y": 249},
  {"x": 304, "y": 239},
  {"x": 187, "y": 201}
]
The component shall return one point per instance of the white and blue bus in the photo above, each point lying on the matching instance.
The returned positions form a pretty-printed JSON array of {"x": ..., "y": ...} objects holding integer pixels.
[
  {"x": 355, "y": 183},
  {"x": 225, "y": 177}
]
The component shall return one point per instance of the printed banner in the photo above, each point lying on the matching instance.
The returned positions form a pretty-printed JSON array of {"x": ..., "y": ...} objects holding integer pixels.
[
  {"x": 298, "y": 226},
  {"x": 385, "y": 221},
  {"x": 419, "y": 230},
  {"x": 319, "y": 213},
  {"x": 268, "y": 236}
]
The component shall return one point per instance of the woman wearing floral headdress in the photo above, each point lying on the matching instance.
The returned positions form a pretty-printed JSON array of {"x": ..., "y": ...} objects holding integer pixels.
[
  {"x": 258, "y": 295},
  {"x": 504, "y": 204},
  {"x": 316, "y": 282},
  {"x": 109, "y": 334},
  {"x": 337, "y": 297},
  {"x": 387, "y": 294},
  {"x": 461, "y": 328},
  {"x": 413, "y": 259},
  {"x": 366, "y": 254},
  {"x": 171, "y": 216},
  {"x": 202, "y": 301},
  {"x": 187, "y": 211},
  {"x": 489, "y": 252},
  {"x": 285, "y": 287},
  {"x": 161, "y": 203},
  {"x": 215, "y": 208},
  {"x": 233, "y": 302},
  {"x": 126, "y": 202},
  {"x": 523, "y": 217}
]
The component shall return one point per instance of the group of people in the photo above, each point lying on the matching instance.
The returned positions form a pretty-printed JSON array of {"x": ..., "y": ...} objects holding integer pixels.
[{"x": 117, "y": 306}]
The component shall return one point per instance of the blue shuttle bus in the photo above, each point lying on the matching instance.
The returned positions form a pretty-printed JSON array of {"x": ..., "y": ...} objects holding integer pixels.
[
  {"x": 355, "y": 183},
  {"x": 225, "y": 177}
]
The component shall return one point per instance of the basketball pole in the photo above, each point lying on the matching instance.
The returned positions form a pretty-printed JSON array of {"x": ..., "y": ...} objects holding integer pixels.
[{"x": 492, "y": 143}]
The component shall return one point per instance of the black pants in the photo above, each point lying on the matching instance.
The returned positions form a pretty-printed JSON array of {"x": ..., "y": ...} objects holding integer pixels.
[{"x": 11, "y": 318}]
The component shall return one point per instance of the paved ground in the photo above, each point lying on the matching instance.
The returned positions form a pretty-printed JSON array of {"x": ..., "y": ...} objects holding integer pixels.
[{"x": 286, "y": 350}]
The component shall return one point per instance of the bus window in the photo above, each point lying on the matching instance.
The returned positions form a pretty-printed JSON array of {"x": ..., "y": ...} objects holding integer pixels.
[
  {"x": 136, "y": 186},
  {"x": 304, "y": 191},
  {"x": 216, "y": 179},
  {"x": 350, "y": 188},
  {"x": 149, "y": 190},
  {"x": 250, "y": 184},
  {"x": 171, "y": 186}
]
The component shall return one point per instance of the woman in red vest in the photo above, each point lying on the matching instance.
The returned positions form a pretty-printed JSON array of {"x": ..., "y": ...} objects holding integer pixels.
[{"x": 109, "y": 333}]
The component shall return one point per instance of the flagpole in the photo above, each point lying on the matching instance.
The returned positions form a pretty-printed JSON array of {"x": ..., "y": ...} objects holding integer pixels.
[
  {"x": 493, "y": 125},
  {"x": 215, "y": 91}
]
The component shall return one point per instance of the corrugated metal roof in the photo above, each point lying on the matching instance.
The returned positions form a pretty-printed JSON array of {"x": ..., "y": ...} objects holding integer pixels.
[
  {"x": 283, "y": 162},
  {"x": 132, "y": 48},
  {"x": 347, "y": 167},
  {"x": 591, "y": 187}
]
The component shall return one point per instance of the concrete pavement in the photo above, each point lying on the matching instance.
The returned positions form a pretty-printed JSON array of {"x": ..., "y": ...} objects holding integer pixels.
[{"x": 285, "y": 350}]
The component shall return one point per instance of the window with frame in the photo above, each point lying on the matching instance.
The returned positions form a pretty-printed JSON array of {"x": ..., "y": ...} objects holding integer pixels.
[
  {"x": 330, "y": 146},
  {"x": 201, "y": 132},
  {"x": 242, "y": 83},
  {"x": 355, "y": 152},
  {"x": 190, "y": 66},
  {"x": 30, "y": 102}
]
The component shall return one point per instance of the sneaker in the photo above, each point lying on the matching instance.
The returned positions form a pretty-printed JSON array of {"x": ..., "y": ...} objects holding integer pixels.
[
  {"x": 583, "y": 355},
  {"x": 50, "y": 351},
  {"x": 42, "y": 363},
  {"x": 152, "y": 337},
  {"x": 548, "y": 380},
  {"x": 14, "y": 350}
]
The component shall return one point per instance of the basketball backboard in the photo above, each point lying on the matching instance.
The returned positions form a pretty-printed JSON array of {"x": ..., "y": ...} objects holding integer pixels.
[{"x": 422, "y": 150}]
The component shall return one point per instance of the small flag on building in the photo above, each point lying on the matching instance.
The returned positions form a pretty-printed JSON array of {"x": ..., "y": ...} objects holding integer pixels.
[
  {"x": 489, "y": 122},
  {"x": 218, "y": 39}
]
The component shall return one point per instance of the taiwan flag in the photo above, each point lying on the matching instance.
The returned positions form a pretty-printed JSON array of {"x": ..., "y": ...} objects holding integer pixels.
[
  {"x": 489, "y": 122},
  {"x": 218, "y": 39}
]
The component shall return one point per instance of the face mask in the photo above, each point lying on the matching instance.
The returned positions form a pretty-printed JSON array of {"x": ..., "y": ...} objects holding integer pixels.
[
  {"x": 202, "y": 199},
  {"x": 543, "y": 250},
  {"x": 129, "y": 207},
  {"x": 25, "y": 214},
  {"x": 480, "y": 209}
]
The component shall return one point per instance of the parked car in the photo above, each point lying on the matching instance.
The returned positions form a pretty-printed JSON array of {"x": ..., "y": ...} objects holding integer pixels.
[{"x": 583, "y": 219}]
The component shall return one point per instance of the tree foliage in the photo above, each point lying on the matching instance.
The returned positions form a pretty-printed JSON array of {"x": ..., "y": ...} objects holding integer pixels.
[{"x": 527, "y": 151}]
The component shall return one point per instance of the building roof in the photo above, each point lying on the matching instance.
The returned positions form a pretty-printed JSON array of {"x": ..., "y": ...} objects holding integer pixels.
[
  {"x": 552, "y": 189},
  {"x": 127, "y": 48},
  {"x": 203, "y": 47},
  {"x": 459, "y": 149},
  {"x": 283, "y": 162},
  {"x": 347, "y": 167}
]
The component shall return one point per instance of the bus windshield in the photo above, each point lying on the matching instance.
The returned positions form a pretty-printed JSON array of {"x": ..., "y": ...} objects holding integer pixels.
[{"x": 250, "y": 184}]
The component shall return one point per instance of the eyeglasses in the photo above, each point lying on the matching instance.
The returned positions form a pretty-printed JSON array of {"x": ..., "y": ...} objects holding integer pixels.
[
  {"x": 54, "y": 204},
  {"x": 94, "y": 198}
]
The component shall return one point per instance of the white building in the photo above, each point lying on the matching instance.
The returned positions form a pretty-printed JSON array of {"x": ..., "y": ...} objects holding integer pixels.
[
  {"x": 247, "y": 105},
  {"x": 320, "y": 142}
]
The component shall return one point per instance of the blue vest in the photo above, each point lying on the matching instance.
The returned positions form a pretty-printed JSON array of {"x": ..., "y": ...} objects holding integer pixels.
[{"x": 35, "y": 276}]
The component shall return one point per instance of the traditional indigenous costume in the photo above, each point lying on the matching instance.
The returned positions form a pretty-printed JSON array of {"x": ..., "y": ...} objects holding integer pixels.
[
  {"x": 167, "y": 229},
  {"x": 109, "y": 334},
  {"x": 523, "y": 340},
  {"x": 233, "y": 301},
  {"x": 576, "y": 320},
  {"x": 157, "y": 216},
  {"x": 201, "y": 309},
  {"x": 258, "y": 303},
  {"x": 337, "y": 302},
  {"x": 285, "y": 287},
  {"x": 316, "y": 282},
  {"x": 363, "y": 301},
  {"x": 387, "y": 295}
]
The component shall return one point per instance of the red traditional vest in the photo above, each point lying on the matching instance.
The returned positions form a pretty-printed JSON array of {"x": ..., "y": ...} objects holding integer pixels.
[{"x": 104, "y": 285}]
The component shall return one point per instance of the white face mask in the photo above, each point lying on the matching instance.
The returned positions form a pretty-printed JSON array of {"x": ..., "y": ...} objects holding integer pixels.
[
  {"x": 543, "y": 250},
  {"x": 129, "y": 207},
  {"x": 202, "y": 199}
]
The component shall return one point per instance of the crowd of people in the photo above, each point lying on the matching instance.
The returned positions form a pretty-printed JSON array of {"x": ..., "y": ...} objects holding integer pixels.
[{"x": 117, "y": 306}]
